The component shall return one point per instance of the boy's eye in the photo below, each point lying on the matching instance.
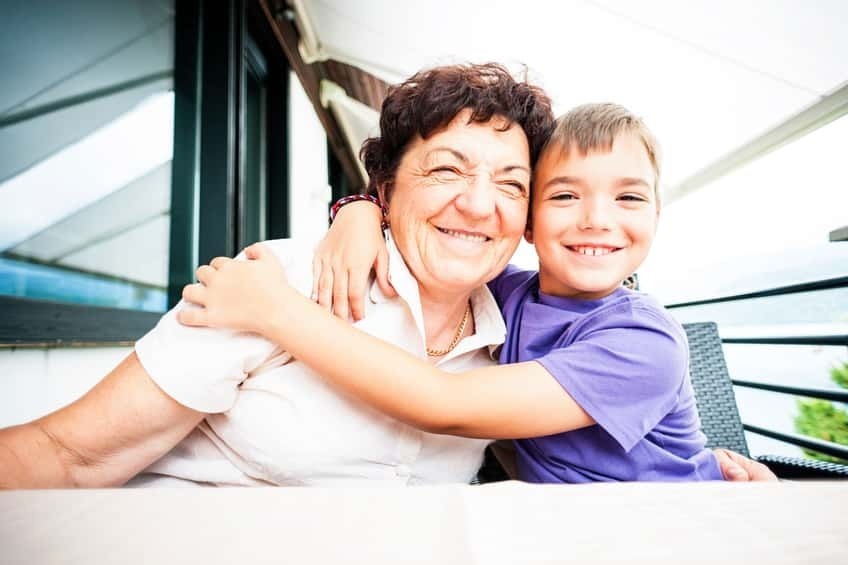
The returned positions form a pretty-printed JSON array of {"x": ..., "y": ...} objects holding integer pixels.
[
  {"x": 633, "y": 198},
  {"x": 563, "y": 196}
]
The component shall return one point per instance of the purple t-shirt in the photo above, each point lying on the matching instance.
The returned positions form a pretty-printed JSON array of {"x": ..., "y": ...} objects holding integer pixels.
[{"x": 625, "y": 361}]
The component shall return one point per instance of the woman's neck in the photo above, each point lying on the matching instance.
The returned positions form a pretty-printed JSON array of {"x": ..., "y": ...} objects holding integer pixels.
[{"x": 443, "y": 316}]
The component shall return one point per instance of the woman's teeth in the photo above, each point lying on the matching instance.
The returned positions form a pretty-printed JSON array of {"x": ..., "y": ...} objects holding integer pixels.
[{"x": 463, "y": 235}]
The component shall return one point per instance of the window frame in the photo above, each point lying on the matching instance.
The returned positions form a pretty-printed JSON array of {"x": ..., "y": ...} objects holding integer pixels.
[{"x": 207, "y": 200}]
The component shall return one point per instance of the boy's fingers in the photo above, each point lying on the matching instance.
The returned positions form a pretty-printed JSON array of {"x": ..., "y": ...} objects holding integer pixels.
[
  {"x": 192, "y": 317},
  {"x": 255, "y": 251},
  {"x": 357, "y": 288},
  {"x": 730, "y": 470},
  {"x": 195, "y": 293},
  {"x": 205, "y": 273},
  {"x": 219, "y": 262},
  {"x": 325, "y": 288},
  {"x": 340, "y": 289},
  {"x": 316, "y": 275},
  {"x": 381, "y": 269}
]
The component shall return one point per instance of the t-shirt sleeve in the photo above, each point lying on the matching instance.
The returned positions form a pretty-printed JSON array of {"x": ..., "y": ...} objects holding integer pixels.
[
  {"x": 505, "y": 283},
  {"x": 201, "y": 368},
  {"x": 626, "y": 372}
]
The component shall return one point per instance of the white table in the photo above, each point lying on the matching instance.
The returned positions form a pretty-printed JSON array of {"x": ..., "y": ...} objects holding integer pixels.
[{"x": 509, "y": 523}]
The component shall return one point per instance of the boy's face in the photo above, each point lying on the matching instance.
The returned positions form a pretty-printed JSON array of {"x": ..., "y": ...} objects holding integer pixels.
[{"x": 593, "y": 217}]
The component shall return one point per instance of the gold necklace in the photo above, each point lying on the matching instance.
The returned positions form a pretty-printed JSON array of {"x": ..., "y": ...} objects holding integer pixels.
[{"x": 459, "y": 331}]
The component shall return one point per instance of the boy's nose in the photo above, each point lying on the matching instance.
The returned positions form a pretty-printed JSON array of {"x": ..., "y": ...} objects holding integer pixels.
[
  {"x": 477, "y": 200},
  {"x": 595, "y": 215}
]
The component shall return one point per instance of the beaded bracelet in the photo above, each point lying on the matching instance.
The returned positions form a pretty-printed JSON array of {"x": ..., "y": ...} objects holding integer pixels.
[{"x": 334, "y": 209}]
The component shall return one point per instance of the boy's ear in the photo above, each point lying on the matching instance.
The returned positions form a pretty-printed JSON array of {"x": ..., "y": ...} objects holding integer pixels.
[{"x": 528, "y": 231}]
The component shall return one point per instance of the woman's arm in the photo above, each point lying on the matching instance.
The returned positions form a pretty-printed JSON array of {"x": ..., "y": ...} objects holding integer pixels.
[
  {"x": 118, "y": 428},
  {"x": 509, "y": 401},
  {"x": 344, "y": 259}
]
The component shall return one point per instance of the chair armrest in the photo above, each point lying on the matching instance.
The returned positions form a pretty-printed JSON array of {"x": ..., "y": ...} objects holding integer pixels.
[{"x": 798, "y": 468}]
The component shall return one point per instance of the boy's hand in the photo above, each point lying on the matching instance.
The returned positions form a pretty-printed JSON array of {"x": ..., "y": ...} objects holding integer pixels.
[
  {"x": 735, "y": 467},
  {"x": 344, "y": 259},
  {"x": 237, "y": 295}
]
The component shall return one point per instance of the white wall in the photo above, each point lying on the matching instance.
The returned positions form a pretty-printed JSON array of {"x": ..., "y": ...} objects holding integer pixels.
[
  {"x": 310, "y": 194},
  {"x": 35, "y": 381}
]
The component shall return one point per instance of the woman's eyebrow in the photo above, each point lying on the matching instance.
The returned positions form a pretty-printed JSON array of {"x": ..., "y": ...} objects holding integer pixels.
[
  {"x": 511, "y": 168},
  {"x": 459, "y": 156}
]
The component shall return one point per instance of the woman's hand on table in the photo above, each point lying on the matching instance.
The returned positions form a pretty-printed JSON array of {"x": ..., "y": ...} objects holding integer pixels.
[{"x": 344, "y": 260}]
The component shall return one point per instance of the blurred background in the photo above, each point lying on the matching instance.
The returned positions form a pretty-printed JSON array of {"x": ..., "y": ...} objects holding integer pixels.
[{"x": 140, "y": 138}]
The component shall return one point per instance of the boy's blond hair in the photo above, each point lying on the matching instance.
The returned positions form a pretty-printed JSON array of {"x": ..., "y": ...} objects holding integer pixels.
[{"x": 593, "y": 127}]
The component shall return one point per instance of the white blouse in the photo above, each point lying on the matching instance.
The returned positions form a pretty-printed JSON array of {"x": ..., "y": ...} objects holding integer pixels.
[{"x": 272, "y": 420}]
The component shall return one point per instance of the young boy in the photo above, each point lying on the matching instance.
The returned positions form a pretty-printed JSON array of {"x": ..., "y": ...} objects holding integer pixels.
[{"x": 594, "y": 374}]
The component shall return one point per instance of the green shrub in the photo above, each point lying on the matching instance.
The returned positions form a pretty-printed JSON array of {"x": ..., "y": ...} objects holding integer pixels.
[
  {"x": 839, "y": 374},
  {"x": 823, "y": 419}
]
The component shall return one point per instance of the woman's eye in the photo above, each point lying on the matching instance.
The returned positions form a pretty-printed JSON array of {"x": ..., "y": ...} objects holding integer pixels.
[
  {"x": 445, "y": 171},
  {"x": 514, "y": 186},
  {"x": 633, "y": 198}
]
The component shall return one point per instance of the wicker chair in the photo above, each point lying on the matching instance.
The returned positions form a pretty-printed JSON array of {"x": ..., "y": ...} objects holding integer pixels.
[{"x": 719, "y": 415}]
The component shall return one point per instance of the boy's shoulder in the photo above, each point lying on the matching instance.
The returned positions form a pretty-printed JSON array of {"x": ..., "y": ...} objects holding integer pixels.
[
  {"x": 628, "y": 309},
  {"x": 511, "y": 279},
  {"x": 647, "y": 310}
]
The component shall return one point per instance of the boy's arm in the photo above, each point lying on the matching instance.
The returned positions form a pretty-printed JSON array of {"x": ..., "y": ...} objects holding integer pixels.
[
  {"x": 522, "y": 400},
  {"x": 106, "y": 437},
  {"x": 510, "y": 401},
  {"x": 344, "y": 259}
]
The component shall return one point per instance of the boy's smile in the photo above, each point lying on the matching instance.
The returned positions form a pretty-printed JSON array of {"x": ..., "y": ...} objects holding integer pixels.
[{"x": 593, "y": 217}]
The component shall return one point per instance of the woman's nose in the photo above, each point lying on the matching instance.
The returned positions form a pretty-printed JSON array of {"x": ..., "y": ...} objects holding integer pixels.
[{"x": 478, "y": 198}]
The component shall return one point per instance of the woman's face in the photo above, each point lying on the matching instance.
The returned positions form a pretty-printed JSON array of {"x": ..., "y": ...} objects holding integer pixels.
[{"x": 459, "y": 203}]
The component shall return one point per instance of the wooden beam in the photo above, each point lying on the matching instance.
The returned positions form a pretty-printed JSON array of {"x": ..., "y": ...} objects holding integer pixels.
[{"x": 310, "y": 77}]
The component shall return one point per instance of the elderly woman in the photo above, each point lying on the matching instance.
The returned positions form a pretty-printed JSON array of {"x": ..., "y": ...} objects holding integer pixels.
[
  {"x": 216, "y": 407},
  {"x": 203, "y": 406}
]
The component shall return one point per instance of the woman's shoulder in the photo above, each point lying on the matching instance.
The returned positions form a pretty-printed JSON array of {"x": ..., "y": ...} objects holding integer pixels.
[{"x": 295, "y": 255}]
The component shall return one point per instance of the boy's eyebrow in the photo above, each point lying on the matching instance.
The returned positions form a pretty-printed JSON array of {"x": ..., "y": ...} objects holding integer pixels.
[
  {"x": 623, "y": 181},
  {"x": 630, "y": 181},
  {"x": 466, "y": 161},
  {"x": 565, "y": 179}
]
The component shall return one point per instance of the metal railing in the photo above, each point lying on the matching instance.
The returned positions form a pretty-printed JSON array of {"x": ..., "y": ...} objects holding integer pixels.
[{"x": 806, "y": 442}]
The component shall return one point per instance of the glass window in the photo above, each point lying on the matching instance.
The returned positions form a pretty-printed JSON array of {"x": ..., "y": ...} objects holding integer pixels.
[
  {"x": 763, "y": 226},
  {"x": 86, "y": 127}
]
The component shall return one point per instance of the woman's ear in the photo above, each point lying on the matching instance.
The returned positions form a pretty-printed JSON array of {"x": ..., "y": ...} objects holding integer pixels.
[{"x": 383, "y": 191}]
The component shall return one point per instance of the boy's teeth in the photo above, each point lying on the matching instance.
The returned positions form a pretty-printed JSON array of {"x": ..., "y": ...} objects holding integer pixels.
[
  {"x": 594, "y": 251},
  {"x": 466, "y": 236}
]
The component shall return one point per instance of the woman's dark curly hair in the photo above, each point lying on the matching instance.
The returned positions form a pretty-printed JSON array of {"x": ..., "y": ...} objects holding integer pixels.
[{"x": 428, "y": 101}]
